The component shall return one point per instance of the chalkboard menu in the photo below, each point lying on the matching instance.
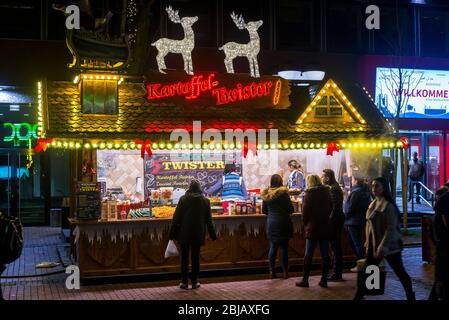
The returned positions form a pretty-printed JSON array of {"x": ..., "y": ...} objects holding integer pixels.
[
  {"x": 88, "y": 200},
  {"x": 162, "y": 170}
]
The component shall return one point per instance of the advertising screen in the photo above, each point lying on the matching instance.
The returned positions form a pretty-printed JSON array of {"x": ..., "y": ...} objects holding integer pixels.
[{"x": 414, "y": 93}]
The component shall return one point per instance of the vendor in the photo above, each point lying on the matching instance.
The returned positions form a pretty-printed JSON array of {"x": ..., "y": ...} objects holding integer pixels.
[
  {"x": 232, "y": 185},
  {"x": 296, "y": 177}
]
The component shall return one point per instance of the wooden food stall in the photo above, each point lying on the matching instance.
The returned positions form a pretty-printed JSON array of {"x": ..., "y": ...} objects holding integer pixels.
[
  {"x": 126, "y": 153},
  {"x": 137, "y": 138}
]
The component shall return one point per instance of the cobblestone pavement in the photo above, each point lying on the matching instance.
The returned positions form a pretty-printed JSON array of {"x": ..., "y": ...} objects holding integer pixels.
[{"x": 45, "y": 244}]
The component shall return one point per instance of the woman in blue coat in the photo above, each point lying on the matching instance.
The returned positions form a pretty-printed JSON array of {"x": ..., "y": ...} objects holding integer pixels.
[{"x": 278, "y": 206}]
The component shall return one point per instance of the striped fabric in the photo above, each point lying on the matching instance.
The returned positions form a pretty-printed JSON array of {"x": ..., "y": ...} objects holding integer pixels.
[{"x": 232, "y": 187}]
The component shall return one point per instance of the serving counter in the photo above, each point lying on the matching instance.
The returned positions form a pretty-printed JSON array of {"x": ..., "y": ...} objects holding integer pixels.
[{"x": 131, "y": 247}]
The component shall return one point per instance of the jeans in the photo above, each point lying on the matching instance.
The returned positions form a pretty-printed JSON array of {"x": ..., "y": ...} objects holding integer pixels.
[
  {"x": 355, "y": 239},
  {"x": 440, "y": 288},
  {"x": 194, "y": 251},
  {"x": 324, "y": 247},
  {"x": 2, "y": 268},
  {"x": 411, "y": 187},
  {"x": 272, "y": 253},
  {"x": 336, "y": 248}
]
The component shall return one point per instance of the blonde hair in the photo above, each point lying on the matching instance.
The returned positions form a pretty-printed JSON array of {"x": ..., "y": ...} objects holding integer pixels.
[{"x": 313, "y": 180}]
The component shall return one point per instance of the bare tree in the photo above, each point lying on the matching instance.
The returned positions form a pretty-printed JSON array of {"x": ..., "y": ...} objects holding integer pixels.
[{"x": 400, "y": 83}]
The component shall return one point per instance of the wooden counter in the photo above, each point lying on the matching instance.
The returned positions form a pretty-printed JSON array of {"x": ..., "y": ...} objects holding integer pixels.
[{"x": 108, "y": 248}]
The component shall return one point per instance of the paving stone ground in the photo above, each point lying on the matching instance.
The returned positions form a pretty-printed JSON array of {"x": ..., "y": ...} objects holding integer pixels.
[{"x": 45, "y": 244}]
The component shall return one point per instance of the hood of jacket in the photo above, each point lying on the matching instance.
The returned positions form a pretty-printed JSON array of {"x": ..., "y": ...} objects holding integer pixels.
[
  {"x": 190, "y": 194},
  {"x": 271, "y": 194}
]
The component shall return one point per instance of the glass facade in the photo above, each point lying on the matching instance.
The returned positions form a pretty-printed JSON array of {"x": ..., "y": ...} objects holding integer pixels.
[
  {"x": 307, "y": 25},
  {"x": 433, "y": 149}
]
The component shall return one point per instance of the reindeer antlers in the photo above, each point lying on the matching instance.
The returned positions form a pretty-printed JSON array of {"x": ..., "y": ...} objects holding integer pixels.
[
  {"x": 173, "y": 14},
  {"x": 238, "y": 20}
]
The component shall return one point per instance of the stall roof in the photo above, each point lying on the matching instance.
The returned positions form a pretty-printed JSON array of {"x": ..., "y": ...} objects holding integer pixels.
[{"x": 138, "y": 118}]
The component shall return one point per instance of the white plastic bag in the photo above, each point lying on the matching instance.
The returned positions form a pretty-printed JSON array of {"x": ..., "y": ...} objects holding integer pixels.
[{"x": 171, "y": 250}]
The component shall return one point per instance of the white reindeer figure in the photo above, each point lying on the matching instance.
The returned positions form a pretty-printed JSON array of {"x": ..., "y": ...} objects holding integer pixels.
[
  {"x": 184, "y": 46},
  {"x": 249, "y": 50}
]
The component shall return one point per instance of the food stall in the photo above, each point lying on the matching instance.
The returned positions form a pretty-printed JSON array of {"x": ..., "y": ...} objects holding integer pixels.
[
  {"x": 138, "y": 137},
  {"x": 129, "y": 169}
]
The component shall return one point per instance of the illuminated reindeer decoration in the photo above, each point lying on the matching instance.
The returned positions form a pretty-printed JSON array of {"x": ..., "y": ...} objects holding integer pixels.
[
  {"x": 249, "y": 50},
  {"x": 184, "y": 46}
]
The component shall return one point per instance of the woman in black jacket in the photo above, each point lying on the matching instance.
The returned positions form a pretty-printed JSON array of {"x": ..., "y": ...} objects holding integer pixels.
[
  {"x": 440, "y": 237},
  {"x": 278, "y": 206},
  {"x": 191, "y": 218}
]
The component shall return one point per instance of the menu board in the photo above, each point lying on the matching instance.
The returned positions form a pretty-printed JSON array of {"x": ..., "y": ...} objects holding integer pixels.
[
  {"x": 161, "y": 170},
  {"x": 88, "y": 200}
]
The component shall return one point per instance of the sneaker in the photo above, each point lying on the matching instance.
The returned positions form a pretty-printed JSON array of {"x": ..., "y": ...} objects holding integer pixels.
[
  {"x": 303, "y": 283},
  {"x": 196, "y": 285},
  {"x": 183, "y": 285},
  {"x": 355, "y": 269},
  {"x": 335, "y": 277}
]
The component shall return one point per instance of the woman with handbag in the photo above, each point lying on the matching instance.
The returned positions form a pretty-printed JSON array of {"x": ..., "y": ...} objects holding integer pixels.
[
  {"x": 383, "y": 237},
  {"x": 190, "y": 221}
]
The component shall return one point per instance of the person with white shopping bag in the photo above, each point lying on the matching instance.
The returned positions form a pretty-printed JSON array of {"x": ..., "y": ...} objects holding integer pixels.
[{"x": 192, "y": 217}]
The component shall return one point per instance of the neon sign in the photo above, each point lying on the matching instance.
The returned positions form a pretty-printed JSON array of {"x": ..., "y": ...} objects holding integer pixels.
[
  {"x": 191, "y": 89},
  {"x": 221, "y": 89},
  {"x": 16, "y": 132}
]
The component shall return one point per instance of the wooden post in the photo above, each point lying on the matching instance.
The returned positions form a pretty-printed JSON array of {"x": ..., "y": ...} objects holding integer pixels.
[
  {"x": 395, "y": 172},
  {"x": 379, "y": 169},
  {"x": 404, "y": 176}
]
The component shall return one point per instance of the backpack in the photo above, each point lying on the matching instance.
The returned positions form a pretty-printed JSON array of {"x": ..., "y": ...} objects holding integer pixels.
[{"x": 11, "y": 239}]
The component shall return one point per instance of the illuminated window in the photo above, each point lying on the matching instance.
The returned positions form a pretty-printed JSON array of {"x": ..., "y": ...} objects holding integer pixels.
[
  {"x": 328, "y": 106},
  {"x": 99, "y": 96}
]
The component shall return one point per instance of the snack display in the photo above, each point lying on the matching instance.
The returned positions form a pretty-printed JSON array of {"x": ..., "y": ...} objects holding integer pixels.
[
  {"x": 295, "y": 191},
  {"x": 166, "y": 193},
  {"x": 155, "y": 194},
  {"x": 163, "y": 212}
]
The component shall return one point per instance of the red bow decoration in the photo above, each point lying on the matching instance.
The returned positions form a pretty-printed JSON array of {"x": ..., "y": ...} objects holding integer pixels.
[
  {"x": 42, "y": 144},
  {"x": 146, "y": 147},
  {"x": 247, "y": 147},
  {"x": 405, "y": 142},
  {"x": 331, "y": 147}
]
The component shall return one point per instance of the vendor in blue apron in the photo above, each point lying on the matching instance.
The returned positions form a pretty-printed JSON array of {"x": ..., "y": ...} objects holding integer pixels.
[
  {"x": 232, "y": 185},
  {"x": 296, "y": 177}
]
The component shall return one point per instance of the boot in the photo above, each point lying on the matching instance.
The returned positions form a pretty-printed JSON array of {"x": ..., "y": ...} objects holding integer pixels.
[
  {"x": 411, "y": 296},
  {"x": 325, "y": 272},
  {"x": 285, "y": 275},
  {"x": 273, "y": 274},
  {"x": 306, "y": 272}
]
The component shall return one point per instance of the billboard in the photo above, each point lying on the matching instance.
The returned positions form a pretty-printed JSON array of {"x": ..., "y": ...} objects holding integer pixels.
[{"x": 424, "y": 93}]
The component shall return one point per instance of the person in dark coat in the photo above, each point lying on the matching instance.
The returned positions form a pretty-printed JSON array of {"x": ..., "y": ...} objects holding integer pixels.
[
  {"x": 316, "y": 211},
  {"x": 440, "y": 237},
  {"x": 278, "y": 206},
  {"x": 192, "y": 217},
  {"x": 355, "y": 214},
  {"x": 338, "y": 220}
]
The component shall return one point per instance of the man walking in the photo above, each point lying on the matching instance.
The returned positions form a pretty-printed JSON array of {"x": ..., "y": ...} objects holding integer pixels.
[
  {"x": 337, "y": 219},
  {"x": 415, "y": 174},
  {"x": 355, "y": 211}
]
